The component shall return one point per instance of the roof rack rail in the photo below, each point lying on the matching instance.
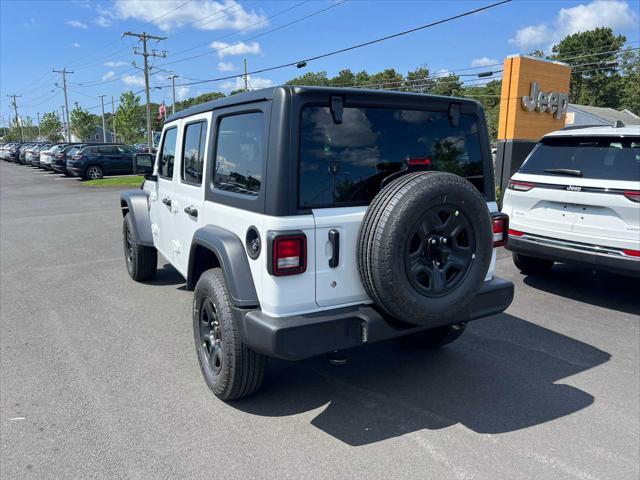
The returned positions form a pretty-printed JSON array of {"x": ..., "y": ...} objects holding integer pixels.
[{"x": 577, "y": 127}]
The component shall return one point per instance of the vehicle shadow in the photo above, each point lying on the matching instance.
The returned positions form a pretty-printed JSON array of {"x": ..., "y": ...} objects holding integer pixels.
[
  {"x": 167, "y": 275},
  {"x": 499, "y": 377},
  {"x": 603, "y": 289}
]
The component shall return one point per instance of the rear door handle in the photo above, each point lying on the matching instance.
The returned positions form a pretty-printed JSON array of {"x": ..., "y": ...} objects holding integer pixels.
[
  {"x": 166, "y": 201},
  {"x": 191, "y": 210},
  {"x": 334, "y": 239}
]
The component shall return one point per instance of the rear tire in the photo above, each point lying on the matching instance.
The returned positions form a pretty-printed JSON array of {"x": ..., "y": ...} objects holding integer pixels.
[
  {"x": 532, "y": 265},
  {"x": 230, "y": 369},
  {"x": 438, "y": 337},
  {"x": 93, "y": 172},
  {"x": 141, "y": 260}
]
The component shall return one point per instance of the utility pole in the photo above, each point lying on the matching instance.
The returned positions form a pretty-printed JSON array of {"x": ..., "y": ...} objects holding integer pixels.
[
  {"x": 38, "y": 114},
  {"x": 144, "y": 37},
  {"x": 246, "y": 81},
  {"x": 64, "y": 128},
  {"x": 15, "y": 108},
  {"x": 173, "y": 89},
  {"x": 104, "y": 128},
  {"x": 113, "y": 118},
  {"x": 64, "y": 72}
]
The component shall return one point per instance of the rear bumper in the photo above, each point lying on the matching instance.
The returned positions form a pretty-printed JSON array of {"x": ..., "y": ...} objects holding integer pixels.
[
  {"x": 75, "y": 171},
  {"x": 59, "y": 168},
  {"x": 303, "y": 336},
  {"x": 575, "y": 255}
]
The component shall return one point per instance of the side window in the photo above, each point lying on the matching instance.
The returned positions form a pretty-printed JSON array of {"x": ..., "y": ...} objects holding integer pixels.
[
  {"x": 105, "y": 150},
  {"x": 168, "y": 153},
  {"x": 240, "y": 153},
  {"x": 124, "y": 149},
  {"x": 195, "y": 137}
]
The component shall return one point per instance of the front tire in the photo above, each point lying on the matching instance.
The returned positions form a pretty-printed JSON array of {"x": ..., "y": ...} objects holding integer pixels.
[
  {"x": 230, "y": 369},
  {"x": 531, "y": 265},
  {"x": 141, "y": 260}
]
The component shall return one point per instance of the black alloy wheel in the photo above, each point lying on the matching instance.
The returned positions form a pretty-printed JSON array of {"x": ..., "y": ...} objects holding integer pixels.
[
  {"x": 439, "y": 251},
  {"x": 211, "y": 337}
]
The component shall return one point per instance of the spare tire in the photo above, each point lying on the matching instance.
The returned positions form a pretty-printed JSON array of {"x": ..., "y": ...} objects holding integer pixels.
[{"x": 424, "y": 247}]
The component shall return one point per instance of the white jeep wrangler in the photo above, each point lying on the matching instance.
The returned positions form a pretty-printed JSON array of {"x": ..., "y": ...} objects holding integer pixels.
[{"x": 312, "y": 220}]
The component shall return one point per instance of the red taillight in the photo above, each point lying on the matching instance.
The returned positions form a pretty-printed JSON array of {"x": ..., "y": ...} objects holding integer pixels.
[
  {"x": 500, "y": 229},
  {"x": 632, "y": 253},
  {"x": 289, "y": 254},
  {"x": 415, "y": 161},
  {"x": 633, "y": 195},
  {"x": 520, "y": 186},
  {"x": 515, "y": 233}
]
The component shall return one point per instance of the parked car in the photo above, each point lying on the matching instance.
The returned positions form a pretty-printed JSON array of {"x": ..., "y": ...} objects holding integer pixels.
[
  {"x": 576, "y": 200},
  {"x": 35, "y": 159},
  {"x": 96, "y": 161},
  {"x": 325, "y": 219},
  {"x": 59, "y": 158},
  {"x": 23, "y": 153},
  {"x": 30, "y": 154},
  {"x": 45, "y": 156}
]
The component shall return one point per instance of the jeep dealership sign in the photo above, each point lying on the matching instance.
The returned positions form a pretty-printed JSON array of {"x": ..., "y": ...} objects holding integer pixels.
[{"x": 552, "y": 102}]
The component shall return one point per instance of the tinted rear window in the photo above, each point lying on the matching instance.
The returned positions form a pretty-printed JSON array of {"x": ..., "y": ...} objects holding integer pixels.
[
  {"x": 343, "y": 164},
  {"x": 606, "y": 158}
]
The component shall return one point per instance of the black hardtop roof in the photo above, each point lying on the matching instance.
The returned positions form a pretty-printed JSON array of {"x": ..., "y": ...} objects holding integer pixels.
[{"x": 269, "y": 93}]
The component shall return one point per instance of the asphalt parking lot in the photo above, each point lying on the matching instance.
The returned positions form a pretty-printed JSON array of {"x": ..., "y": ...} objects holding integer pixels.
[{"x": 98, "y": 375}]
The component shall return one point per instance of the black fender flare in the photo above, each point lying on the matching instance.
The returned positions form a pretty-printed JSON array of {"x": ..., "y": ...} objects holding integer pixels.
[
  {"x": 232, "y": 258},
  {"x": 136, "y": 203}
]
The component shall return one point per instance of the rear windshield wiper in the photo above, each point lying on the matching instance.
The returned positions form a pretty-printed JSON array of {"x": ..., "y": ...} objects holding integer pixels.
[{"x": 564, "y": 171}]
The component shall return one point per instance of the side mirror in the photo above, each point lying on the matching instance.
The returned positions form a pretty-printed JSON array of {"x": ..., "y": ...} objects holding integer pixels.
[{"x": 143, "y": 164}]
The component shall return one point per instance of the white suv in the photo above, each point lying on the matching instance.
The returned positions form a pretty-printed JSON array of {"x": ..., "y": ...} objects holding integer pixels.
[
  {"x": 310, "y": 220},
  {"x": 576, "y": 199}
]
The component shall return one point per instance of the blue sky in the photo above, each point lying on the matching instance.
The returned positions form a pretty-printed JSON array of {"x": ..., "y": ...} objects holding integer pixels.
[{"x": 85, "y": 36}]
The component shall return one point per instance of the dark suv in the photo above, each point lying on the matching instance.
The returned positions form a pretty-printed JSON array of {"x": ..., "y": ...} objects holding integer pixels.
[{"x": 96, "y": 161}]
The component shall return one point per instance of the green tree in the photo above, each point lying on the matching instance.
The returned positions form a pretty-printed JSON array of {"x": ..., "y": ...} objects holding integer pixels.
[
  {"x": 630, "y": 81},
  {"x": 311, "y": 79},
  {"x": 489, "y": 96},
  {"x": 449, "y": 85},
  {"x": 536, "y": 53},
  {"x": 418, "y": 80},
  {"x": 130, "y": 119},
  {"x": 594, "y": 80},
  {"x": 83, "y": 124},
  {"x": 386, "y": 79},
  {"x": 51, "y": 127},
  {"x": 345, "y": 78}
]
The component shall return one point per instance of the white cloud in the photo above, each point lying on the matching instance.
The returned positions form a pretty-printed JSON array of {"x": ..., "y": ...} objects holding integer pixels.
[
  {"x": 443, "y": 72},
  {"x": 182, "y": 92},
  {"x": 133, "y": 80},
  {"x": 615, "y": 14},
  {"x": 483, "y": 62},
  {"x": 227, "y": 67},
  {"x": 108, "y": 75},
  {"x": 239, "y": 48},
  {"x": 77, "y": 24},
  {"x": 238, "y": 84},
  {"x": 74, "y": 45},
  {"x": 118, "y": 63},
  {"x": 203, "y": 15},
  {"x": 103, "y": 21}
]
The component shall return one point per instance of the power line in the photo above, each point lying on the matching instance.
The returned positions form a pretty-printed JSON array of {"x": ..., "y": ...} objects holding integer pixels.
[
  {"x": 303, "y": 62},
  {"x": 282, "y": 12}
]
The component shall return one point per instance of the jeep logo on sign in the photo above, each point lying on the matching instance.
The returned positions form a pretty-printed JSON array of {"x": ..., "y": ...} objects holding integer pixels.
[
  {"x": 552, "y": 102},
  {"x": 574, "y": 188}
]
